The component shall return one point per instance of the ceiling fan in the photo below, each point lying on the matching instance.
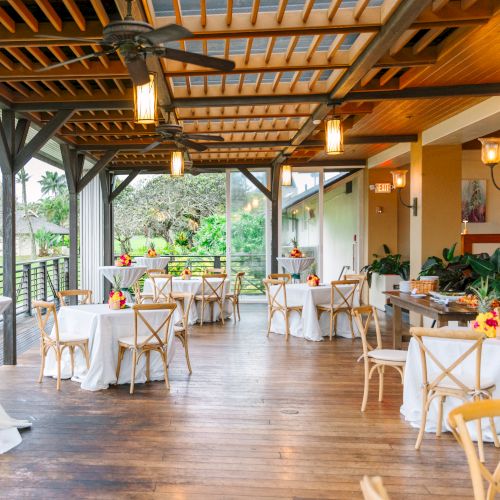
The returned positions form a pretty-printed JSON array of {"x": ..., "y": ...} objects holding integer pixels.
[
  {"x": 134, "y": 40},
  {"x": 172, "y": 132}
]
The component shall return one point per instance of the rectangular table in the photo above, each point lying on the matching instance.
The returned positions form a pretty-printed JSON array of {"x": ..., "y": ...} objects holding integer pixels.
[{"x": 441, "y": 313}]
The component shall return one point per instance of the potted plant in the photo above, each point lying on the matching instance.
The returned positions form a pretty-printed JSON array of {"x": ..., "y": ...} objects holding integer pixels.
[
  {"x": 385, "y": 274},
  {"x": 151, "y": 250}
]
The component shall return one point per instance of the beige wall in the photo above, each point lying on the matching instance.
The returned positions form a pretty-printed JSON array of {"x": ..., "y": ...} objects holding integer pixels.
[
  {"x": 473, "y": 168},
  {"x": 381, "y": 228}
]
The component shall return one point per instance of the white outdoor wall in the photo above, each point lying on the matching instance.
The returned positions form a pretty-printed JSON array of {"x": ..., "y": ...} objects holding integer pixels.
[
  {"x": 91, "y": 239},
  {"x": 341, "y": 218}
]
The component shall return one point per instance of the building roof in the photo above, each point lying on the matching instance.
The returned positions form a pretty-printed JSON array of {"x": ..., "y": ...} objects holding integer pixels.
[{"x": 37, "y": 223}]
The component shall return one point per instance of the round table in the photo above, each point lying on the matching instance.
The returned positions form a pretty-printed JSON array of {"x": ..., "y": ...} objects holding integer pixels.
[
  {"x": 128, "y": 274},
  {"x": 295, "y": 265},
  {"x": 152, "y": 262},
  {"x": 9, "y": 435}
]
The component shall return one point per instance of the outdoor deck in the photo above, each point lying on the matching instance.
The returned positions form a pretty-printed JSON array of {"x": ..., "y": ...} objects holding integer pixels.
[
  {"x": 28, "y": 335},
  {"x": 258, "y": 418}
]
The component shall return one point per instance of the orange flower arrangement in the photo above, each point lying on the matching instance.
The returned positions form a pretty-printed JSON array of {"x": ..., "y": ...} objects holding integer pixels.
[
  {"x": 296, "y": 253},
  {"x": 116, "y": 299},
  {"x": 186, "y": 273},
  {"x": 124, "y": 260},
  {"x": 151, "y": 250},
  {"x": 313, "y": 280}
]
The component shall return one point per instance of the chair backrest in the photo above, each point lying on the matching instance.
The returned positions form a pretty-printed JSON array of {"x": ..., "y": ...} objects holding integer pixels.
[
  {"x": 237, "y": 283},
  {"x": 213, "y": 285},
  {"x": 214, "y": 270},
  {"x": 43, "y": 319},
  {"x": 362, "y": 280},
  {"x": 85, "y": 294},
  {"x": 429, "y": 357},
  {"x": 458, "y": 419},
  {"x": 363, "y": 316},
  {"x": 373, "y": 488},
  {"x": 159, "y": 334},
  {"x": 162, "y": 287},
  {"x": 343, "y": 292},
  {"x": 280, "y": 276},
  {"x": 188, "y": 301},
  {"x": 276, "y": 293},
  {"x": 151, "y": 272}
]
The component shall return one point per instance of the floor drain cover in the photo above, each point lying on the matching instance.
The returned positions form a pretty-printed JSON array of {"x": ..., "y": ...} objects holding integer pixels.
[{"x": 290, "y": 412}]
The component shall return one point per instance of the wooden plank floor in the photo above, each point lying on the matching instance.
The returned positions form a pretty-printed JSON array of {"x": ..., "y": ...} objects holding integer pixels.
[{"x": 258, "y": 418}]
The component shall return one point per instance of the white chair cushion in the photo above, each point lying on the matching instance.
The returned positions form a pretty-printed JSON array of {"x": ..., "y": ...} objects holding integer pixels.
[
  {"x": 70, "y": 336},
  {"x": 140, "y": 340},
  {"x": 388, "y": 355},
  {"x": 178, "y": 328},
  {"x": 467, "y": 380}
]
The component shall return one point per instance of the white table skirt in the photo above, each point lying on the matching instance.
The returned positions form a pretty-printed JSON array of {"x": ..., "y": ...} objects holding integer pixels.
[
  {"x": 129, "y": 275},
  {"x": 104, "y": 327},
  {"x": 152, "y": 262},
  {"x": 447, "y": 352},
  {"x": 295, "y": 265},
  {"x": 193, "y": 286},
  {"x": 308, "y": 325}
]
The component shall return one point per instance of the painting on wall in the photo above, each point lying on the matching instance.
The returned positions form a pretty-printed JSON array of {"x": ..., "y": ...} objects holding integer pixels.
[{"x": 474, "y": 200}]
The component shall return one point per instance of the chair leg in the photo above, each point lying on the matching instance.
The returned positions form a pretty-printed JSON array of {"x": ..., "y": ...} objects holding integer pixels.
[
  {"x": 367, "y": 385},
  {"x": 58, "y": 359},
  {"x": 86, "y": 354},
  {"x": 351, "y": 325},
  {"x": 238, "y": 309},
  {"x": 132, "y": 375},
  {"x": 381, "y": 371},
  {"x": 148, "y": 365},
  {"x": 42, "y": 364},
  {"x": 72, "y": 358},
  {"x": 234, "y": 309},
  {"x": 186, "y": 350},
  {"x": 439, "y": 425},
  {"x": 119, "y": 364},
  {"x": 287, "y": 325},
  {"x": 269, "y": 320},
  {"x": 211, "y": 312},
  {"x": 221, "y": 307},
  {"x": 165, "y": 368},
  {"x": 202, "y": 311},
  {"x": 331, "y": 324},
  {"x": 494, "y": 433},
  {"x": 480, "y": 445},
  {"x": 423, "y": 419}
]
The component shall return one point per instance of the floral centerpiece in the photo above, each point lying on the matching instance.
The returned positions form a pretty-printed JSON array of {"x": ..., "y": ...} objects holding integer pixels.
[
  {"x": 295, "y": 253},
  {"x": 487, "y": 320},
  {"x": 151, "y": 250},
  {"x": 313, "y": 280},
  {"x": 186, "y": 273},
  {"x": 116, "y": 298},
  {"x": 124, "y": 260}
]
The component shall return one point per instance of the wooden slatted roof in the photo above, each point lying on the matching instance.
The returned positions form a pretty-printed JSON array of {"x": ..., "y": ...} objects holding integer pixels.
[{"x": 296, "y": 61}]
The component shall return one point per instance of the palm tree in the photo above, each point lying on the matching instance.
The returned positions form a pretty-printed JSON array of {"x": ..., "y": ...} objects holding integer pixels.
[
  {"x": 22, "y": 178},
  {"x": 52, "y": 183}
]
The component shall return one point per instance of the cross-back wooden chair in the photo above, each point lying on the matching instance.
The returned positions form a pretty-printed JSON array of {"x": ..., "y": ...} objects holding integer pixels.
[
  {"x": 447, "y": 383},
  {"x": 58, "y": 342},
  {"x": 287, "y": 277},
  {"x": 139, "y": 296},
  {"x": 209, "y": 271},
  {"x": 235, "y": 296},
  {"x": 373, "y": 488},
  {"x": 376, "y": 357},
  {"x": 151, "y": 272},
  {"x": 277, "y": 302},
  {"x": 162, "y": 287},
  {"x": 182, "y": 330},
  {"x": 156, "y": 339},
  {"x": 341, "y": 302},
  {"x": 212, "y": 292},
  {"x": 457, "y": 420},
  {"x": 86, "y": 296},
  {"x": 362, "y": 280}
]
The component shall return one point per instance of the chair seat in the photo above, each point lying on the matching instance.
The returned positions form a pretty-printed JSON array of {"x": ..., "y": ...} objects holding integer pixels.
[
  {"x": 71, "y": 337},
  {"x": 328, "y": 307},
  {"x": 178, "y": 329},
  {"x": 448, "y": 384},
  {"x": 393, "y": 355},
  {"x": 206, "y": 297},
  {"x": 141, "y": 339}
]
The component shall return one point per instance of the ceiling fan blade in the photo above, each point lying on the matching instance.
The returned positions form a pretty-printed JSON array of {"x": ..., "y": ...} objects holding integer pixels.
[
  {"x": 198, "y": 59},
  {"x": 150, "y": 147},
  {"x": 76, "y": 59},
  {"x": 205, "y": 137},
  {"x": 167, "y": 33},
  {"x": 190, "y": 144},
  {"x": 138, "y": 70},
  {"x": 87, "y": 41}
]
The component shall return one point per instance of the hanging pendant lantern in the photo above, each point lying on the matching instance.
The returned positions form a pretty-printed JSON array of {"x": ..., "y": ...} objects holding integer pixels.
[
  {"x": 334, "y": 136},
  {"x": 145, "y": 101},
  {"x": 286, "y": 175},
  {"x": 177, "y": 164}
]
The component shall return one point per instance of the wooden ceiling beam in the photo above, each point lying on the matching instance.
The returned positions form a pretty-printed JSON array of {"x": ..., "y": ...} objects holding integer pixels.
[
  {"x": 75, "y": 13},
  {"x": 50, "y": 14},
  {"x": 7, "y": 21},
  {"x": 281, "y": 10},
  {"x": 100, "y": 11},
  {"x": 20, "y": 7}
]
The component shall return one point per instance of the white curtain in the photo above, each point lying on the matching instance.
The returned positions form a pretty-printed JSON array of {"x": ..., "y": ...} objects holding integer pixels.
[{"x": 91, "y": 239}]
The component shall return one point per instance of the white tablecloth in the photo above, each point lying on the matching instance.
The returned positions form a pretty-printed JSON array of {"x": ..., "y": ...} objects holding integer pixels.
[
  {"x": 447, "y": 352},
  {"x": 152, "y": 262},
  {"x": 129, "y": 275},
  {"x": 104, "y": 327},
  {"x": 193, "y": 286},
  {"x": 295, "y": 265},
  {"x": 308, "y": 325},
  {"x": 9, "y": 435}
]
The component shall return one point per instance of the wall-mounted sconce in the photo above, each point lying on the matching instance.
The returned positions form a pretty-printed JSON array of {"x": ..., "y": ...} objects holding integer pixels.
[
  {"x": 399, "y": 182},
  {"x": 490, "y": 154},
  {"x": 379, "y": 210}
]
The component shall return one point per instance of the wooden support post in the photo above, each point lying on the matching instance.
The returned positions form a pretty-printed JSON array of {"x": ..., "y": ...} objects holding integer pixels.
[
  {"x": 97, "y": 168},
  {"x": 263, "y": 189},
  {"x": 105, "y": 179},
  {"x": 130, "y": 177},
  {"x": 275, "y": 214},
  {"x": 7, "y": 147}
]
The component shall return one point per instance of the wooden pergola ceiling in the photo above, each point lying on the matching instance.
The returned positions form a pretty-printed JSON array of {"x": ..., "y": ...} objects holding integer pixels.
[{"x": 294, "y": 60}]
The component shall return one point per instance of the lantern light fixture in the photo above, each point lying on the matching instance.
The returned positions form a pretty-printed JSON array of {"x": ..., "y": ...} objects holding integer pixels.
[
  {"x": 490, "y": 154},
  {"x": 286, "y": 175},
  {"x": 334, "y": 136},
  {"x": 145, "y": 101},
  {"x": 177, "y": 164}
]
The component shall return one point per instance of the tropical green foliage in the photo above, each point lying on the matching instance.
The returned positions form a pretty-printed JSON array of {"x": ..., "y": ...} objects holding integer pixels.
[
  {"x": 457, "y": 273},
  {"x": 388, "y": 264},
  {"x": 53, "y": 183},
  {"x": 55, "y": 209},
  {"x": 46, "y": 241}
]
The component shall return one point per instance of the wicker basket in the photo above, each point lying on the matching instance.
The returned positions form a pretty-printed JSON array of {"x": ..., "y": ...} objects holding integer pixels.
[{"x": 424, "y": 286}]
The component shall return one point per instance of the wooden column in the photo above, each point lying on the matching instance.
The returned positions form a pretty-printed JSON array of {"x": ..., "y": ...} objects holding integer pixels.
[
  {"x": 7, "y": 146},
  {"x": 106, "y": 181},
  {"x": 275, "y": 215}
]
